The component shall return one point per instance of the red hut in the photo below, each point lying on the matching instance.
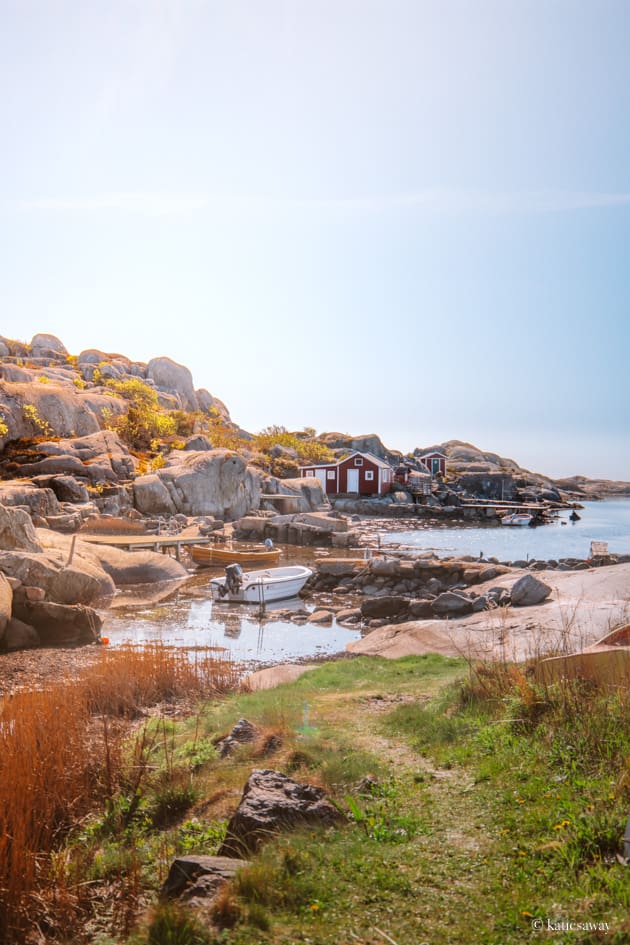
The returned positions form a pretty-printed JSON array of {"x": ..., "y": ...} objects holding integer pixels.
[
  {"x": 358, "y": 473},
  {"x": 434, "y": 462}
]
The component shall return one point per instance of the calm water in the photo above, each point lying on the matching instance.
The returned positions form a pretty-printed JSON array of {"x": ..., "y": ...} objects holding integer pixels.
[
  {"x": 600, "y": 521},
  {"x": 191, "y": 619}
]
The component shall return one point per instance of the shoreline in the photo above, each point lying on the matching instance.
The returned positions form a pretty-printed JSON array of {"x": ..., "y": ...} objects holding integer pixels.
[{"x": 584, "y": 606}]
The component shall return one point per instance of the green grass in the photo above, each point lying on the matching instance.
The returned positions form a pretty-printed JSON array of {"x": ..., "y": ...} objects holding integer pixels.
[{"x": 493, "y": 804}]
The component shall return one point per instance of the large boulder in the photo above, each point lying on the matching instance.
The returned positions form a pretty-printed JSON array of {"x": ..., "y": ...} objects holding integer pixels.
[
  {"x": 16, "y": 531},
  {"x": 216, "y": 483},
  {"x": 69, "y": 489},
  {"x": 173, "y": 378},
  {"x": 42, "y": 345},
  {"x": 80, "y": 583},
  {"x": 6, "y": 604},
  {"x": 118, "y": 567},
  {"x": 60, "y": 624},
  {"x": 529, "y": 590},
  {"x": 273, "y": 802},
  {"x": 138, "y": 567}
]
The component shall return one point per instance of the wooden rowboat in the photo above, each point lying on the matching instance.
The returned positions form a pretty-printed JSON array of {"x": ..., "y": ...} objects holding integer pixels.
[{"x": 205, "y": 555}]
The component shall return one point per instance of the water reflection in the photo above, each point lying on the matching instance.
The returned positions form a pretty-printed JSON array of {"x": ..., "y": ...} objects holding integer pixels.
[{"x": 191, "y": 619}]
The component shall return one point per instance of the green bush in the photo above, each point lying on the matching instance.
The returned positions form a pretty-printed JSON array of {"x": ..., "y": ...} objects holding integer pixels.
[{"x": 145, "y": 420}]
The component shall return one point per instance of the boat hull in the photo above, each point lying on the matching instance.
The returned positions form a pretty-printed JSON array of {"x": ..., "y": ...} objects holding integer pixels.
[
  {"x": 517, "y": 518},
  {"x": 262, "y": 587},
  {"x": 203, "y": 555}
]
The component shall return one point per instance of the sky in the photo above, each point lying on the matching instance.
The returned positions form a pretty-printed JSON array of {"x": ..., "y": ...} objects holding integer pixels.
[{"x": 403, "y": 217}]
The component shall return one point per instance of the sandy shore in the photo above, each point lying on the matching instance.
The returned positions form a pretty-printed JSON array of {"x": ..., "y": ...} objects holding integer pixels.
[{"x": 583, "y": 607}]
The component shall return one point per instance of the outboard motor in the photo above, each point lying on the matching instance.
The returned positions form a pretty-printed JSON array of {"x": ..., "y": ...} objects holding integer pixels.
[{"x": 233, "y": 578}]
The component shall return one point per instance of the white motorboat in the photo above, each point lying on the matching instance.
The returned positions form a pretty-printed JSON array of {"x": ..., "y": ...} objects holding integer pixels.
[
  {"x": 517, "y": 518},
  {"x": 259, "y": 587}
]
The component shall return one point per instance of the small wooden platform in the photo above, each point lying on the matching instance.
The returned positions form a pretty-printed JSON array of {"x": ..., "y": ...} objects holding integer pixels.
[{"x": 154, "y": 542}]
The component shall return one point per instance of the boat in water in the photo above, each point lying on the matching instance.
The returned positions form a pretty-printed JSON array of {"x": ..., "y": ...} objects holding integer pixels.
[
  {"x": 517, "y": 518},
  {"x": 206, "y": 556},
  {"x": 259, "y": 587}
]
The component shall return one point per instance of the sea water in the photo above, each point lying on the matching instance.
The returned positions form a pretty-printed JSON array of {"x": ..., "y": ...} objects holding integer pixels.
[
  {"x": 607, "y": 521},
  {"x": 190, "y": 619}
]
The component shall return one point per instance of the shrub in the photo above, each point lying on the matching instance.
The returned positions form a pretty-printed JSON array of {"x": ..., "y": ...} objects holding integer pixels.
[
  {"x": 145, "y": 420},
  {"x": 308, "y": 451}
]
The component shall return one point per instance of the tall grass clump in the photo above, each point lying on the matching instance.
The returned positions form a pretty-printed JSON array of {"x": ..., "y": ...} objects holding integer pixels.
[{"x": 62, "y": 757}]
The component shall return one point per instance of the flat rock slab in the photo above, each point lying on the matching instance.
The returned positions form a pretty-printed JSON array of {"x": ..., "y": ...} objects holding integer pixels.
[
  {"x": 192, "y": 877},
  {"x": 274, "y": 676}
]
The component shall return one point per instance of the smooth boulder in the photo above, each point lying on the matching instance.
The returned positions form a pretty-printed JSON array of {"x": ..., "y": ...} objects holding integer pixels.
[
  {"x": 174, "y": 378},
  {"x": 528, "y": 591},
  {"x": 217, "y": 483}
]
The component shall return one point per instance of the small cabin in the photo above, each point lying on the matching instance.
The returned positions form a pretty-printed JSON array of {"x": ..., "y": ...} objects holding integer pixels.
[
  {"x": 358, "y": 473},
  {"x": 434, "y": 462}
]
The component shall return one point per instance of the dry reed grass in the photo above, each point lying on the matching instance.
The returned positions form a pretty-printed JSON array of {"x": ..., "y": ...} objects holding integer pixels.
[{"x": 60, "y": 758}]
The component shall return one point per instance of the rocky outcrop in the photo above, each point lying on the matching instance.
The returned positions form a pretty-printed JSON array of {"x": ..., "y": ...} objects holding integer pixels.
[
  {"x": 366, "y": 443},
  {"x": 102, "y": 451},
  {"x": 273, "y": 802},
  {"x": 217, "y": 483},
  {"x": 33, "y": 409}
]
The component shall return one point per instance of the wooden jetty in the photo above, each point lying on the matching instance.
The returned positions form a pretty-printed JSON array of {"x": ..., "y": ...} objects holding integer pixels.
[{"x": 163, "y": 543}]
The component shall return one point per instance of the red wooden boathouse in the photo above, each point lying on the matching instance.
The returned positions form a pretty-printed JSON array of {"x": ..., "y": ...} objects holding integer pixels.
[{"x": 358, "y": 473}]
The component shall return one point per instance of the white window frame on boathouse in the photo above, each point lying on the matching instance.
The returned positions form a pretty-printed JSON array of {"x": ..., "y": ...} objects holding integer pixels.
[{"x": 369, "y": 475}]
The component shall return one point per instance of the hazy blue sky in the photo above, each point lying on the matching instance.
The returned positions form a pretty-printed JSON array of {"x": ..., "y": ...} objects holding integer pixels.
[{"x": 404, "y": 217}]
